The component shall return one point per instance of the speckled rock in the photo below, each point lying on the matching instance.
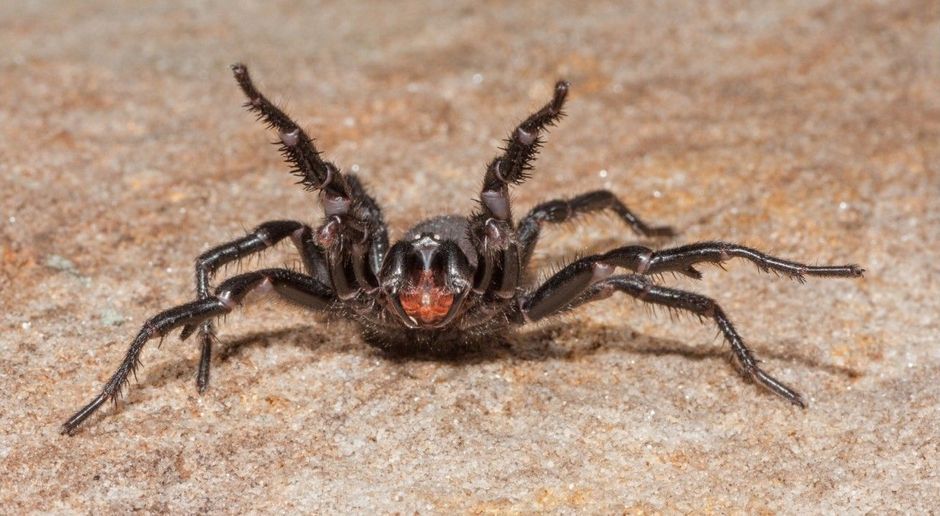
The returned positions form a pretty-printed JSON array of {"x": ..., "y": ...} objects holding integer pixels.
[{"x": 810, "y": 129}]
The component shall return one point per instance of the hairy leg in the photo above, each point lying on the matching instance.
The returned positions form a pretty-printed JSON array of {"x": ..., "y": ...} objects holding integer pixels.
[
  {"x": 298, "y": 148},
  {"x": 491, "y": 228},
  {"x": 566, "y": 285},
  {"x": 353, "y": 235},
  {"x": 522, "y": 146},
  {"x": 262, "y": 237},
  {"x": 683, "y": 259},
  {"x": 641, "y": 288},
  {"x": 562, "y": 210},
  {"x": 295, "y": 287}
]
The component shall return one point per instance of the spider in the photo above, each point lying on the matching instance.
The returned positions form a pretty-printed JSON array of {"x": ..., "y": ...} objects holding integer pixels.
[{"x": 452, "y": 280}]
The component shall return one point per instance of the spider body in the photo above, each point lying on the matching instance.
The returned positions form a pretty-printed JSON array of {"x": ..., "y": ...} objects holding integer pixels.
[{"x": 451, "y": 281}]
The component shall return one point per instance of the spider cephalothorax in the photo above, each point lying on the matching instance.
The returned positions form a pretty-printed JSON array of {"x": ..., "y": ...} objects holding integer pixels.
[{"x": 452, "y": 281}]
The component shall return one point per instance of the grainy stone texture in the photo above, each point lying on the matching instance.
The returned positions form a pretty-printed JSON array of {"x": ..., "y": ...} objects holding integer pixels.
[{"x": 811, "y": 129}]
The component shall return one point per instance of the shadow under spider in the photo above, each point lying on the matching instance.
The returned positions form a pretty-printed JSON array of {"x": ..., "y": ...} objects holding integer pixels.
[{"x": 539, "y": 344}]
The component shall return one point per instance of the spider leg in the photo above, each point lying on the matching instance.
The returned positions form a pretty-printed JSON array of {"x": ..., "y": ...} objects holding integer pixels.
[
  {"x": 293, "y": 286},
  {"x": 683, "y": 259},
  {"x": 522, "y": 146},
  {"x": 560, "y": 289},
  {"x": 353, "y": 235},
  {"x": 297, "y": 147},
  {"x": 377, "y": 243},
  {"x": 562, "y": 210},
  {"x": 641, "y": 288},
  {"x": 491, "y": 228},
  {"x": 262, "y": 237}
]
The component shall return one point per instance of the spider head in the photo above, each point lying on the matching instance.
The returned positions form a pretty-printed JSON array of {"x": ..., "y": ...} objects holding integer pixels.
[{"x": 425, "y": 280}]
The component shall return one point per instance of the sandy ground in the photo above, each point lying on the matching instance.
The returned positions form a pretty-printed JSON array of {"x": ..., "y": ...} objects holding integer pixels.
[{"x": 810, "y": 129}]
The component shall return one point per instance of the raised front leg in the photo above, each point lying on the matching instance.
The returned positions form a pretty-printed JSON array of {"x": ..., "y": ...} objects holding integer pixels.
[
  {"x": 353, "y": 236},
  {"x": 563, "y": 210},
  {"x": 297, "y": 147},
  {"x": 292, "y": 286},
  {"x": 491, "y": 229}
]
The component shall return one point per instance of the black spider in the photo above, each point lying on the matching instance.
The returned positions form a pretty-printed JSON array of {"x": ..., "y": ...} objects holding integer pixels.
[{"x": 452, "y": 280}]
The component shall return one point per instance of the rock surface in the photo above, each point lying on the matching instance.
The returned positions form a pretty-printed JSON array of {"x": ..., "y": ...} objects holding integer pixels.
[{"x": 810, "y": 129}]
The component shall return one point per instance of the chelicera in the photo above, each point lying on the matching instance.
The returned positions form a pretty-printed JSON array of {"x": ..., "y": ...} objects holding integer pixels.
[{"x": 452, "y": 281}]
